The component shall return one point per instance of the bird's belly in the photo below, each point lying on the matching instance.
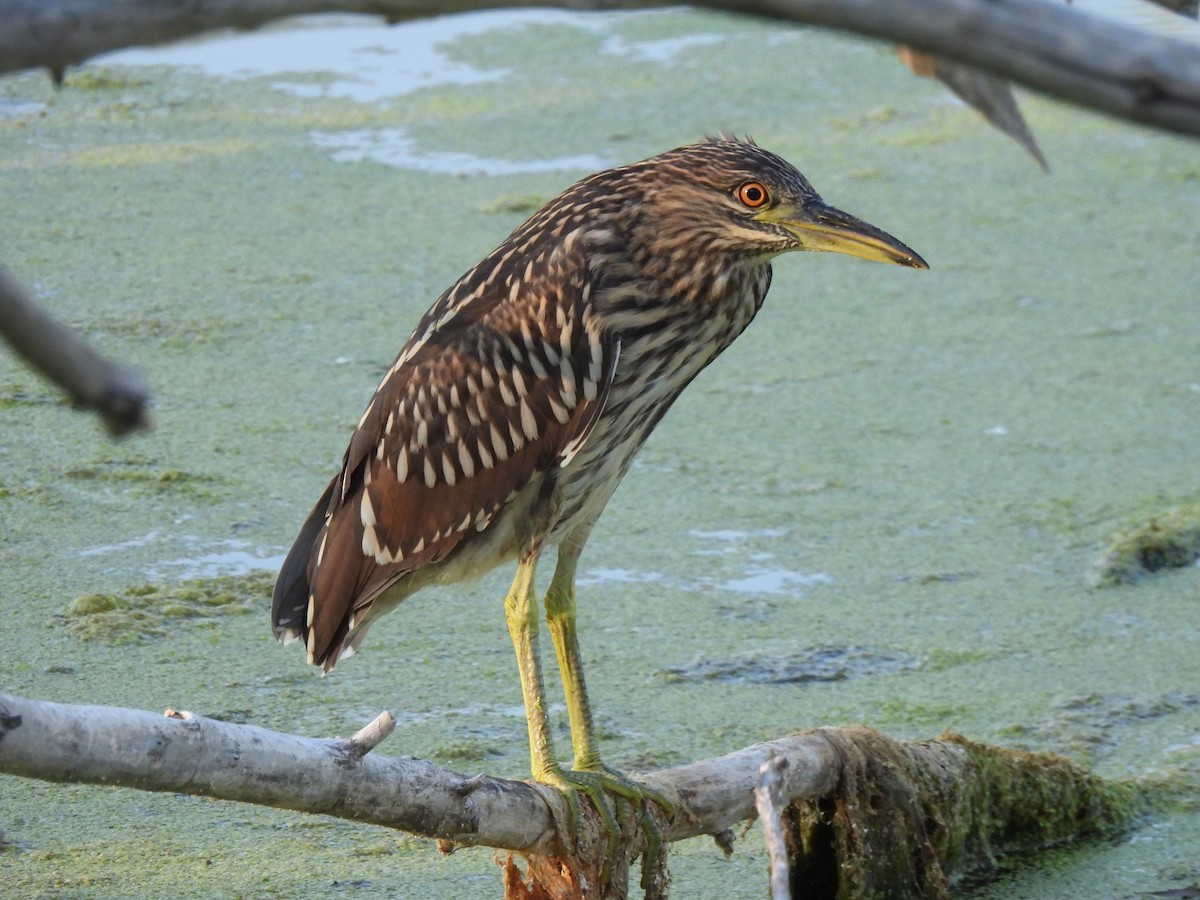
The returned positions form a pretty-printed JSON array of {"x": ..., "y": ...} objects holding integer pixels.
[
  {"x": 634, "y": 408},
  {"x": 585, "y": 487},
  {"x": 655, "y": 367}
]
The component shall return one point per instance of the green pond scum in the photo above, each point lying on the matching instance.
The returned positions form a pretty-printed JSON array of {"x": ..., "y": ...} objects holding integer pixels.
[
  {"x": 1166, "y": 540},
  {"x": 146, "y": 611},
  {"x": 908, "y": 815},
  {"x": 883, "y": 505}
]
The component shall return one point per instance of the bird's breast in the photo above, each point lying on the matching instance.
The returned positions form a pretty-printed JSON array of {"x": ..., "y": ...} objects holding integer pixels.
[{"x": 660, "y": 355}]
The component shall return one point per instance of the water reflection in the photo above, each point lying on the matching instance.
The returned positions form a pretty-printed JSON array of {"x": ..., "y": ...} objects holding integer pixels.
[
  {"x": 368, "y": 62},
  {"x": 220, "y": 562},
  {"x": 755, "y": 575},
  {"x": 211, "y": 559},
  {"x": 393, "y": 147},
  {"x": 752, "y": 581},
  {"x": 1142, "y": 14}
]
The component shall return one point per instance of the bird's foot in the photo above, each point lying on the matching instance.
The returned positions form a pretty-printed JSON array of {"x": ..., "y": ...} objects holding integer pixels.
[{"x": 598, "y": 784}]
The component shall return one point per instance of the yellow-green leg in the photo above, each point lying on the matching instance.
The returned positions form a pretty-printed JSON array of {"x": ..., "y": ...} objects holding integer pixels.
[
  {"x": 520, "y": 608},
  {"x": 560, "y": 617},
  {"x": 589, "y": 775}
]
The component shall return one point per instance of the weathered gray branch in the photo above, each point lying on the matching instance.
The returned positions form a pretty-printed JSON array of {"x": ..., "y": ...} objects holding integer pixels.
[
  {"x": 1189, "y": 8},
  {"x": 991, "y": 97},
  {"x": 117, "y": 393},
  {"x": 1041, "y": 44},
  {"x": 945, "y": 806},
  {"x": 186, "y": 753},
  {"x": 770, "y": 806}
]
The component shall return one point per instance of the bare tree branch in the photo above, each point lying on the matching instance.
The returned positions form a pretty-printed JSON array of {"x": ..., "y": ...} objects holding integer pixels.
[
  {"x": 1043, "y": 45},
  {"x": 118, "y": 394},
  {"x": 992, "y": 97},
  {"x": 918, "y": 812},
  {"x": 1189, "y": 8},
  {"x": 372, "y": 734},
  {"x": 186, "y": 753},
  {"x": 768, "y": 803},
  {"x": 191, "y": 754}
]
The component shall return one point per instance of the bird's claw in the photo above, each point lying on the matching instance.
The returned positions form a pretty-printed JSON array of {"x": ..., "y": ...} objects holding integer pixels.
[{"x": 597, "y": 784}]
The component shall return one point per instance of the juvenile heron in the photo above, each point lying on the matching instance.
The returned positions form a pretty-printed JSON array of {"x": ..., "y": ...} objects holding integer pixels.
[{"x": 516, "y": 406}]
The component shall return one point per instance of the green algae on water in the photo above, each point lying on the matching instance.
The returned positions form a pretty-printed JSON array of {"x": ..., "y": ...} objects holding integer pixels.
[
  {"x": 814, "y": 664},
  {"x": 148, "y": 611},
  {"x": 1166, "y": 540},
  {"x": 101, "y": 78},
  {"x": 857, "y": 423},
  {"x": 525, "y": 204}
]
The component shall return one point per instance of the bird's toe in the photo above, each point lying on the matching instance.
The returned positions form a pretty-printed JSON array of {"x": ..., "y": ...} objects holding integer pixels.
[{"x": 614, "y": 796}]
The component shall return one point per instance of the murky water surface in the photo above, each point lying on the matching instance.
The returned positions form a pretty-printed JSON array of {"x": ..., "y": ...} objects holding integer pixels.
[{"x": 880, "y": 506}]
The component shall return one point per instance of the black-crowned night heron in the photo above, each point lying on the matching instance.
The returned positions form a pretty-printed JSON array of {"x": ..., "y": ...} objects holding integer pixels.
[{"x": 514, "y": 410}]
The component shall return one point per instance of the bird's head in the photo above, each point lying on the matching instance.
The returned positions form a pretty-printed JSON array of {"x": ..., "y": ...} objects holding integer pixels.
[{"x": 733, "y": 197}]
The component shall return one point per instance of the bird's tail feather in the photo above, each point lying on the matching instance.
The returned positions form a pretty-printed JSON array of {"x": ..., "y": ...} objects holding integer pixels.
[{"x": 289, "y": 606}]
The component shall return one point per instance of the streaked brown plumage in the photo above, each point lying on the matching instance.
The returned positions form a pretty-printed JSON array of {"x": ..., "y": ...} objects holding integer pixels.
[{"x": 517, "y": 405}]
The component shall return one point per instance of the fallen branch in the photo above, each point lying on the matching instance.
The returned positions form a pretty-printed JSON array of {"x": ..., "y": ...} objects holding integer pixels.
[
  {"x": 1045, "y": 46},
  {"x": 372, "y": 734},
  {"x": 906, "y": 819},
  {"x": 1189, "y": 8},
  {"x": 867, "y": 811},
  {"x": 118, "y": 394},
  {"x": 991, "y": 97},
  {"x": 769, "y": 804}
]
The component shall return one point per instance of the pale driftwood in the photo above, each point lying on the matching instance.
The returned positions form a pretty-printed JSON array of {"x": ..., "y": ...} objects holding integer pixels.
[
  {"x": 769, "y": 803},
  {"x": 1189, "y": 8},
  {"x": 186, "y": 753},
  {"x": 1048, "y": 47},
  {"x": 372, "y": 734},
  {"x": 1044, "y": 46},
  {"x": 991, "y": 97},
  {"x": 890, "y": 812},
  {"x": 117, "y": 393},
  {"x": 191, "y": 754}
]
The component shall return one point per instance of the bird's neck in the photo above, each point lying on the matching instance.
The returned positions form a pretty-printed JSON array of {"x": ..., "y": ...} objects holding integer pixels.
[{"x": 708, "y": 299}]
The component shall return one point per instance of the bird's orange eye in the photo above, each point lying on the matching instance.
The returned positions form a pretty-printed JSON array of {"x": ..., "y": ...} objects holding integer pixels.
[{"x": 752, "y": 194}]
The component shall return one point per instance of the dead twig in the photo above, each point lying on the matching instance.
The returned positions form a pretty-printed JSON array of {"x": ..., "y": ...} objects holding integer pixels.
[
  {"x": 768, "y": 802},
  {"x": 117, "y": 393},
  {"x": 850, "y": 805}
]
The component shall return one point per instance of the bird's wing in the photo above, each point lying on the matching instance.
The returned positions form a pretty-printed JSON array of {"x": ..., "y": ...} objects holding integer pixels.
[{"x": 501, "y": 380}]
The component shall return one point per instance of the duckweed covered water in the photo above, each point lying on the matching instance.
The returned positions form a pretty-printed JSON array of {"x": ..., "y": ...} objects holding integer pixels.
[{"x": 951, "y": 450}]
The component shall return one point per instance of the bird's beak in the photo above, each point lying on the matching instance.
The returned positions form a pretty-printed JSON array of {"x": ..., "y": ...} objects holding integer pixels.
[{"x": 820, "y": 227}]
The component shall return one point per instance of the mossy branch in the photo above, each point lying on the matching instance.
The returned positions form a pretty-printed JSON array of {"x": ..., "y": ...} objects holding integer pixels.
[{"x": 864, "y": 814}]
